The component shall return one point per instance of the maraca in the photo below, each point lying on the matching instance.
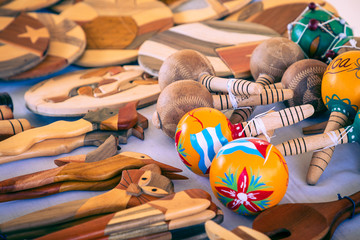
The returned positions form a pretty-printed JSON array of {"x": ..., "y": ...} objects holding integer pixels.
[
  {"x": 341, "y": 94},
  {"x": 203, "y": 131},
  {"x": 349, "y": 134},
  {"x": 182, "y": 96},
  {"x": 249, "y": 175},
  {"x": 6, "y": 106},
  {"x": 319, "y": 32}
]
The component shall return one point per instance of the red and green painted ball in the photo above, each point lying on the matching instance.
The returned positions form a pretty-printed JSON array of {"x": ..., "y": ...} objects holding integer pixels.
[
  {"x": 249, "y": 175},
  {"x": 199, "y": 135},
  {"x": 318, "y": 31}
]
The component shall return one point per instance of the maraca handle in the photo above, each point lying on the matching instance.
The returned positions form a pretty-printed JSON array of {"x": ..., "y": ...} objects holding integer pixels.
[
  {"x": 267, "y": 96},
  {"x": 237, "y": 86},
  {"x": 13, "y": 126},
  {"x": 321, "y": 159},
  {"x": 274, "y": 120},
  {"x": 5, "y": 112},
  {"x": 265, "y": 79},
  {"x": 311, "y": 143}
]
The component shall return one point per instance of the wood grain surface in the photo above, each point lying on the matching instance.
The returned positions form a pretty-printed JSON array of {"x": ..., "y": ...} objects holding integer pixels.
[
  {"x": 69, "y": 100},
  {"x": 23, "y": 44},
  {"x": 115, "y": 29},
  {"x": 207, "y": 38},
  {"x": 15, "y": 6},
  {"x": 276, "y": 14},
  {"x": 67, "y": 43}
]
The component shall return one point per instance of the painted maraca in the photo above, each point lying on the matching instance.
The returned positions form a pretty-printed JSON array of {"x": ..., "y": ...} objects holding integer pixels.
[
  {"x": 249, "y": 175},
  {"x": 349, "y": 134},
  {"x": 182, "y": 96},
  {"x": 341, "y": 95},
  {"x": 203, "y": 131},
  {"x": 319, "y": 32}
]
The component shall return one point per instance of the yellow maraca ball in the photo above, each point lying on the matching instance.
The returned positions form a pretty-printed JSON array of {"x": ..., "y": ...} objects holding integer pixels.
[{"x": 249, "y": 175}]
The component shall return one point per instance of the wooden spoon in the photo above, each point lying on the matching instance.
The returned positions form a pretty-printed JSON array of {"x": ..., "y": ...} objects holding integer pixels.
[{"x": 306, "y": 220}]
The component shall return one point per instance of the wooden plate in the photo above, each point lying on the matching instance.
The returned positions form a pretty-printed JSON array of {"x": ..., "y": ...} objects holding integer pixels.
[
  {"x": 276, "y": 14},
  {"x": 75, "y": 93},
  {"x": 23, "y": 44},
  {"x": 201, "y": 10},
  {"x": 67, "y": 43},
  {"x": 115, "y": 29},
  {"x": 228, "y": 45},
  {"x": 13, "y": 7}
]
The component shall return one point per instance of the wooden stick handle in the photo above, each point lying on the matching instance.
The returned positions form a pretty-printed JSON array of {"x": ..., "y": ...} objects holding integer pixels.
[
  {"x": 267, "y": 96},
  {"x": 321, "y": 159},
  {"x": 13, "y": 126},
  {"x": 265, "y": 79},
  {"x": 5, "y": 99},
  {"x": 273, "y": 120},
  {"x": 241, "y": 114},
  {"x": 5, "y": 112},
  {"x": 61, "y": 129},
  {"x": 311, "y": 143},
  {"x": 236, "y": 86}
]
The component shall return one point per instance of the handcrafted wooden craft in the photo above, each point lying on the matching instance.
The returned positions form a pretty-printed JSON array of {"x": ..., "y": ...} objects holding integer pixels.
[
  {"x": 349, "y": 134},
  {"x": 340, "y": 91},
  {"x": 76, "y": 93},
  {"x": 174, "y": 206},
  {"x": 136, "y": 187},
  {"x": 67, "y": 43},
  {"x": 23, "y": 44},
  {"x": 249, "y": 175},
  {"x": 5, "y": 99},
  {"x": 307, "y": 220},
  {"x": 304, "y": 77},
  {"x": 102, "y": 119},
  {"x": 191, "y": 64},
  {"x": 275, "y": 14},
  {"x": 203, "y": 131},
  {"x": 115, "y": 29},
  {"x": 319, "y": 32},
  {"x": 227, "y": 45},
  {"x": 11, "y": 127},
  {"x": 182, "y": 96},
  {"x": 215, "y": 231},
  {"x": 5, "y": 112},
  {"x": 15, "y": 6}
]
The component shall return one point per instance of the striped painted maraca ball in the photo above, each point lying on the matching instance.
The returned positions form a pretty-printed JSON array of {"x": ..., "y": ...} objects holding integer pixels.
[
  {"x": 249, "y": 175},
  {"x": 200, "y": 133},
  {"x": 319, "y": 32},
  {"x": 340, "y": 87}
]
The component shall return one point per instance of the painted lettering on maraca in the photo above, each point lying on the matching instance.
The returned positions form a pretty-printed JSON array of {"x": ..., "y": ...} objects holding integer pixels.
[
  {"x": 344, "y": 65},
  {"x": 243, "y": 193}
]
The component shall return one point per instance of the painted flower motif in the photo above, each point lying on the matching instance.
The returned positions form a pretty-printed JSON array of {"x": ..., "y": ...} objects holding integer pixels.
[{"x": 243, "y": 197}]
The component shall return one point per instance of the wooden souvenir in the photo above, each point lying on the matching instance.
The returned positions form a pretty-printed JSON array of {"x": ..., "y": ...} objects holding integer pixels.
[
  {"x": 102, "y": 119},
  {"x": 215, "y": 231},
  {"x": 136, "y": 187},
  {"x": 275, "y": 14},
  {"x": 15, "y": 6},
  {"x": 319, "y": 32},
  {"x": 93, "y": 171},
  {"x": 23, "y": 44},
  {"x": 67, "y": 43},
  {"x": 203, "y": 131},
  {"x": 211, "y": 38},
  {"x": 182, "y": 96},
  {"x": 342, "y": 100},
  {"x": 174, "y": 206},
  {"x": 5, "y": 99},
  {"x": 349, "y": 134},
  {"x": 115, "y": 29},
  {"x": 249, "y": 175},
  {"x": 306, "y": 220},
  {"x": 6, "y": 112},
  {"x": 81, "y": 91},
  {"x": 305, "y": 77},
  {"x": 11, "y": 127}
]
